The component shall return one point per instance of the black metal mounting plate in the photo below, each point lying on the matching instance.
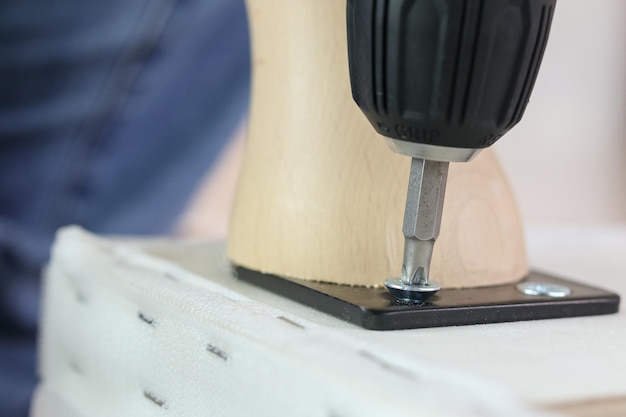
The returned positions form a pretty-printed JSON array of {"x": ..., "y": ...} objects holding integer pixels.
[{"x": 376, "y": 309}]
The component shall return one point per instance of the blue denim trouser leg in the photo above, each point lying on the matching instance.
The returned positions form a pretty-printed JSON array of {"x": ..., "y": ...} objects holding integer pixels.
[{"x": 110, "y": 112}]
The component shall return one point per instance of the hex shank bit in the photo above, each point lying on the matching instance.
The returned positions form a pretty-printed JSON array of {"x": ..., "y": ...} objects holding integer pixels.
[
  {"x": 422, "y": 221},
  {"x": 422, "y": 217}
]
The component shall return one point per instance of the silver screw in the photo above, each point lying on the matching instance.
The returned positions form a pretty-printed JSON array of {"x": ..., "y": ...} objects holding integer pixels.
[
  {"x": 411, "y": 293},
  {"x": 543, "y": 288}
]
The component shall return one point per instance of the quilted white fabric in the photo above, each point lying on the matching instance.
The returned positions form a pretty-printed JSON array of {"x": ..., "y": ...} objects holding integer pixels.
[{"x": 128, "y": 333}]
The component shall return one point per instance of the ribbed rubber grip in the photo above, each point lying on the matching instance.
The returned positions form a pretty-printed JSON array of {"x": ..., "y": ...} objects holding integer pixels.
[{"x": 454, "y": 73}]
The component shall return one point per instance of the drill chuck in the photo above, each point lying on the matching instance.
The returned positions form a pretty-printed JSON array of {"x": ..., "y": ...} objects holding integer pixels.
[{"x": 445, "y": 73}]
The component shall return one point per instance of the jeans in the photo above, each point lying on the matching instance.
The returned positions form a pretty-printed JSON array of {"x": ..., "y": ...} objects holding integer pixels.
[{"x": 110, "y": 114}]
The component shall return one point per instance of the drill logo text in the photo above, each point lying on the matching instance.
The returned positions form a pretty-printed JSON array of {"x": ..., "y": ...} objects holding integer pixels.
[{"x": 417, "y": 134}]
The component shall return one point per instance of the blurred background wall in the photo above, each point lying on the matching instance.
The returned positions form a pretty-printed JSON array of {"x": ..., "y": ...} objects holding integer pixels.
[{"x": 567, "y": 157}]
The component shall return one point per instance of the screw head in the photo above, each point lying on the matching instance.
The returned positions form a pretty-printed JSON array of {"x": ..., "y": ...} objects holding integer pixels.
[
  {"x": 408, "y": 293},
  {"x": 543, "y": 288}
]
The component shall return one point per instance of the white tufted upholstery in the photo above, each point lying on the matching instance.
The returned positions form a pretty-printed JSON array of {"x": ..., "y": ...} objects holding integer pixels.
[{"x": 127, "y": 332}]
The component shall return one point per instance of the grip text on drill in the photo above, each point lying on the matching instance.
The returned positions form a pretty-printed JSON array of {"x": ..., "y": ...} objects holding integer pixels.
[{"x": 417, "y": 134}]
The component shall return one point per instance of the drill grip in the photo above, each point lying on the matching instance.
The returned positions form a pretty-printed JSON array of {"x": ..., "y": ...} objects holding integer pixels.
[{"x": 453, "y": 73}]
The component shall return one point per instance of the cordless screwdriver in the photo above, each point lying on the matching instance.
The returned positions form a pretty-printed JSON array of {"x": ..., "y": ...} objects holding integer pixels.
[{"x": 441, "y": 80}]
